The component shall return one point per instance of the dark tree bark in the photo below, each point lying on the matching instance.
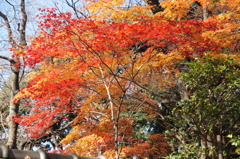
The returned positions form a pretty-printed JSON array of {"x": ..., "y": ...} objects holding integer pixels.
[{"x": 155, "y": 6}]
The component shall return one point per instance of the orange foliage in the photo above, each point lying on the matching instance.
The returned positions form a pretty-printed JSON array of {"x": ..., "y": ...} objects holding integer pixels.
[
  {"x": 226, "y": 13},
  {"x": 95, "y": 68}
]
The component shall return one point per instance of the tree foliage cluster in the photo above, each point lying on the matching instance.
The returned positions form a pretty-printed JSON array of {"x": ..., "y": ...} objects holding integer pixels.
[{"x": 153, "y": 80}]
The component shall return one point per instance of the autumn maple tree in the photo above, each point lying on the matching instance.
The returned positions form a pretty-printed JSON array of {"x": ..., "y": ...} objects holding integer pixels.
[{"x": 107, "y": 68}]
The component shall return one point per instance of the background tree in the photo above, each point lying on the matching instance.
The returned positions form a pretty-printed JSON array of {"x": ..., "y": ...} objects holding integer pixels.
[
  {"x": 210, "y": 112},
  {"x": 17, "y": 46}
]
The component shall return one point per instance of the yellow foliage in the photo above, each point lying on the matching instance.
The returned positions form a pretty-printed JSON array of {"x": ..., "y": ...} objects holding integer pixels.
[
  {"x": 175, "y": 9},
  {"x": 85, "y": 146},
  {"x": 116, "y": 10}
]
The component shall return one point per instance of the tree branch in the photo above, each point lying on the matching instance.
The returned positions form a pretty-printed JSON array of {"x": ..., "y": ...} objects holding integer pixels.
[
  {"x": 9, "y": 29},
  {"x": 7, "y": 58}
]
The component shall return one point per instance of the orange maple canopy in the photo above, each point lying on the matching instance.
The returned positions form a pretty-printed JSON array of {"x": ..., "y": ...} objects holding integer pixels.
[{"x": 94, "y": 69}]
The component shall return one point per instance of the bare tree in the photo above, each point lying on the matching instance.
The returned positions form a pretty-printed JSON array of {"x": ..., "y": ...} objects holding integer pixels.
[{"x": 16, "y": 43}]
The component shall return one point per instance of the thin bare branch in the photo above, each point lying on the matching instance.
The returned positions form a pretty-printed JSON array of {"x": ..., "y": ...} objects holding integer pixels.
[
  {"x": 9, "y": 30},
  {"x": 73, "y": 6},
  {"x": 14, "y": 9}
]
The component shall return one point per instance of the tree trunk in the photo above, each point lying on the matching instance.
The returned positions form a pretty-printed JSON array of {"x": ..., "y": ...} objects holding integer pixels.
[
  {"x": 220, "y": 147},
  {"x": 14, "y": 107},
  {"x": 204, "y": 145},
  {"x": 205, "y": 12},
  {"x": 155, "y": 6}
]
